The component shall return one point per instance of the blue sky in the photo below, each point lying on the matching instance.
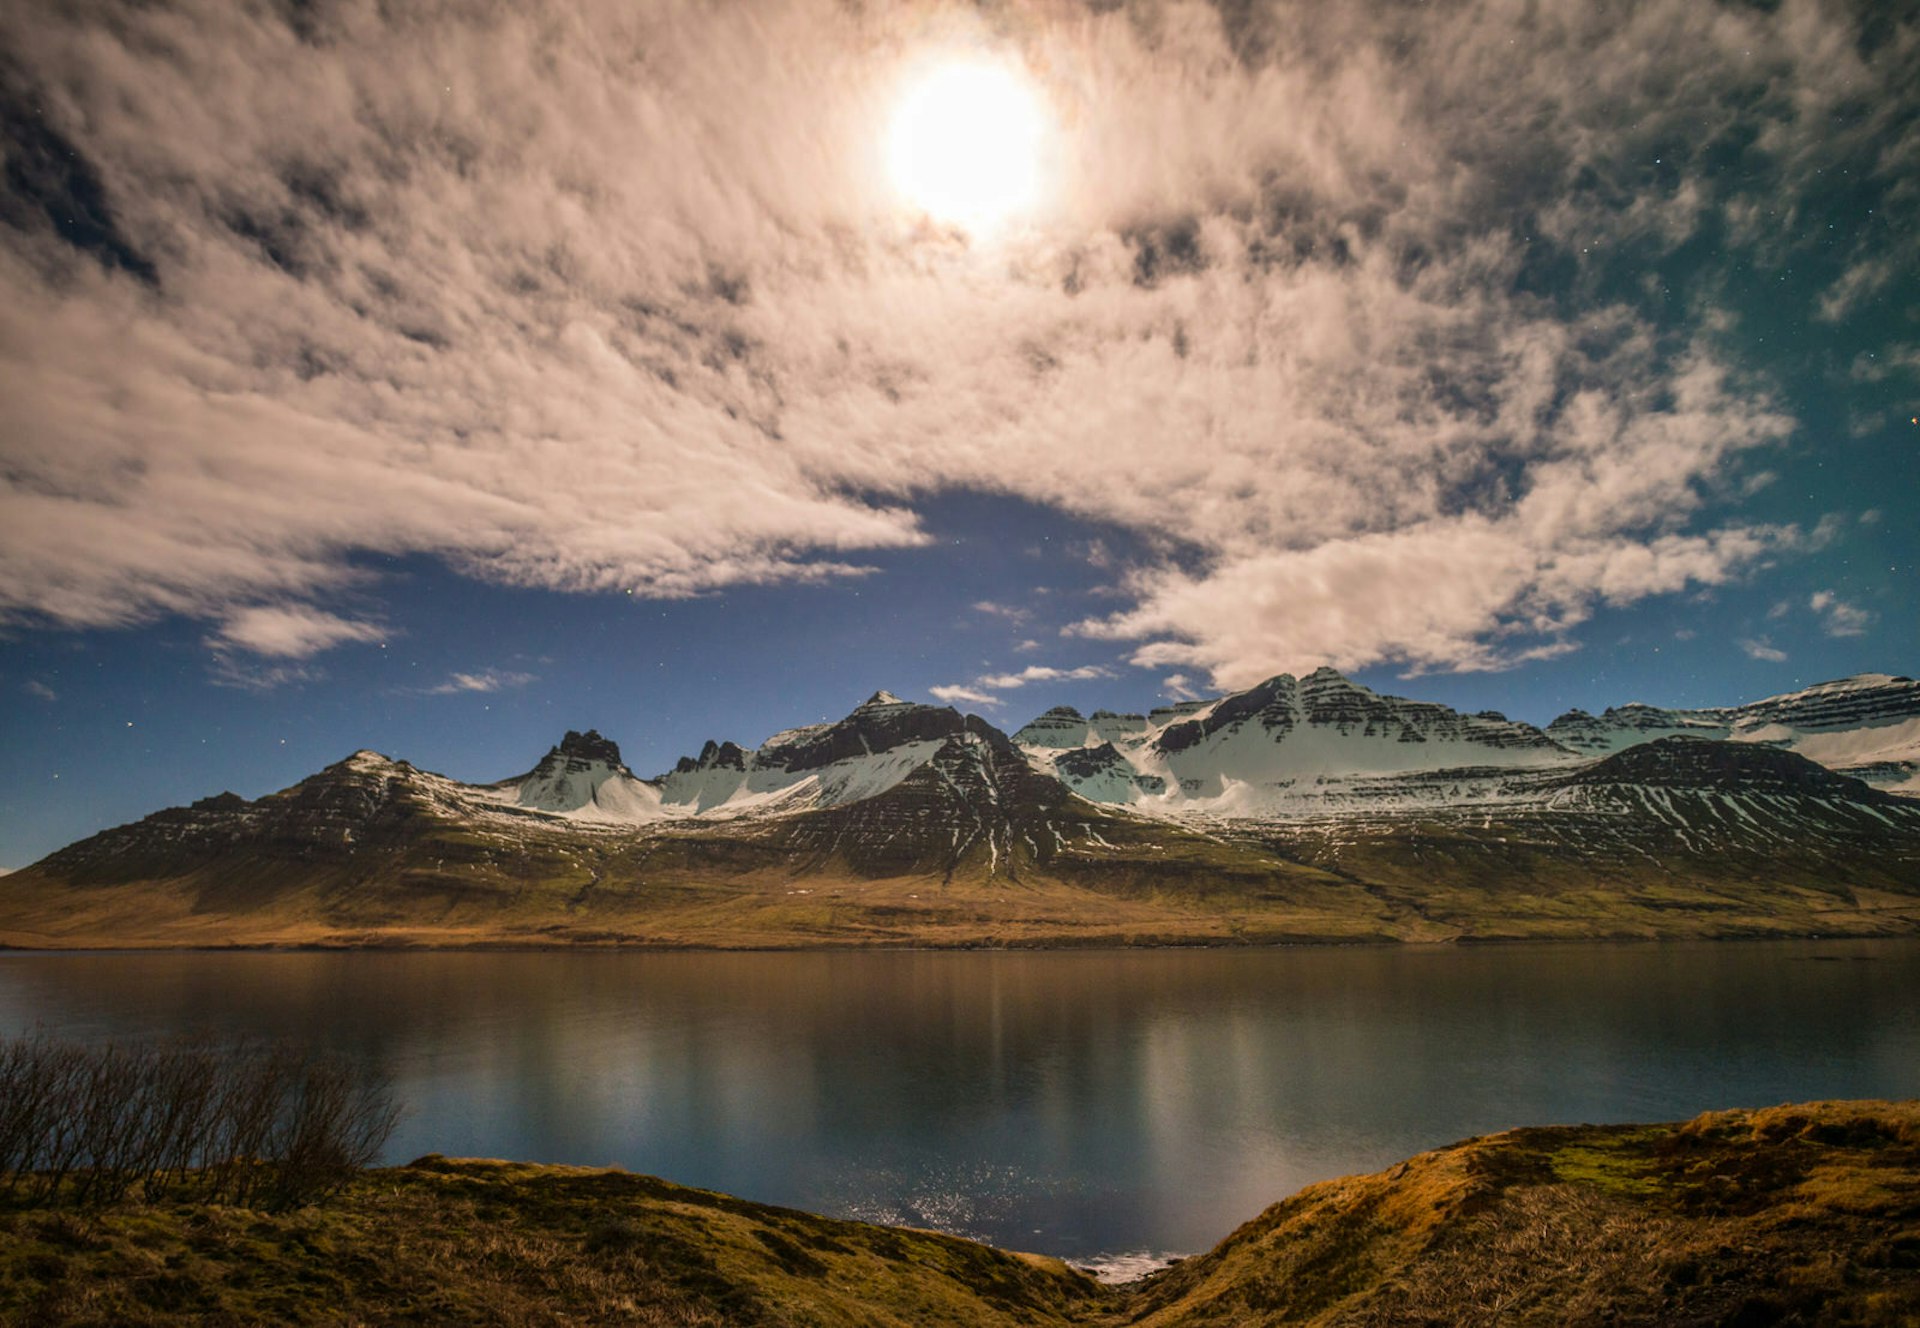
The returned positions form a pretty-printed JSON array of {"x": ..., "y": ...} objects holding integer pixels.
[{"x": 437, "y": 388}]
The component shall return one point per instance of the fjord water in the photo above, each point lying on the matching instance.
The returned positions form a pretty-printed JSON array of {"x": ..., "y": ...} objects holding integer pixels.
[{"x": 1080, "y": 1104}]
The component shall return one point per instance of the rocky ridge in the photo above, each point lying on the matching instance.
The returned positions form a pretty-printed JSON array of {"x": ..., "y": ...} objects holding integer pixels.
[{"x": 1301, "y": 808}]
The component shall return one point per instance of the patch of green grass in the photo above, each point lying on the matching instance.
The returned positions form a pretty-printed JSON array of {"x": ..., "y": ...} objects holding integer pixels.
[{"x": 1609, "y": 1167}]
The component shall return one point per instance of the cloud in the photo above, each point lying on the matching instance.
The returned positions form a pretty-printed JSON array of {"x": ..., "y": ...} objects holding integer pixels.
[
  {"x": 1839, "y": 618},
  {"x": 1012, "y": 613},
  {"x": 292, "y": 631},
  {"x": 1179, "y": 687},
  {"x": 487, "y": 680},
  {"x": 1878, "y": 366},
  {"x": 615, "y": 297},
  {"x": 1856, "y": 285},
  {"x": 981, "y": 690},
  {"x": 969, "y": 695},
  {"x": 1760, "y": 648},
  {"x": 245, "y": 676},
  {"x": 1041, "y": 673},
  {"x": 34, "y": 687}
]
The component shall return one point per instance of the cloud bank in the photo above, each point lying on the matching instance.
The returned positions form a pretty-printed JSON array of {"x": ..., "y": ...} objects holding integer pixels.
[{"x": 1334, "y": 307}]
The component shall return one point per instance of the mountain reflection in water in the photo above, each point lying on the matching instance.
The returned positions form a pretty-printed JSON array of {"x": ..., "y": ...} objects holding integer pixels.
[{"x": 1090, "y": 1105}]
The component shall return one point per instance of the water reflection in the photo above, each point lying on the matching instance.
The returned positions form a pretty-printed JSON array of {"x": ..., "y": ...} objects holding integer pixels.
[{"x": 1073, "y": 1103}]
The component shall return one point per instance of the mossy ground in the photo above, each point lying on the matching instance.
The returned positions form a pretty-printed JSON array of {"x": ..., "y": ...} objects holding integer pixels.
[
  {"x": 499, "y": 1243},
  {"x": 1802, "y": 1215},
  {"x": 1791, "y": 1215}
]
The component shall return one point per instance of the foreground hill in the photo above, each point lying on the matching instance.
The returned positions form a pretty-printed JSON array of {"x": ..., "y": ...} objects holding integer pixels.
[
  {"x": 1804, "y": 1214},
  {"x": 1301, "y": 809}
]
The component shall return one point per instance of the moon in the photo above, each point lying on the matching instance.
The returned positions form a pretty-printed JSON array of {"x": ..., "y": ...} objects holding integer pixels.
[{"x": 965, "y": 146}]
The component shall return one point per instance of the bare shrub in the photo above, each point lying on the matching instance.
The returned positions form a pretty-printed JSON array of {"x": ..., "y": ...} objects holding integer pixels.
[{"x": 267, "y": 1126}]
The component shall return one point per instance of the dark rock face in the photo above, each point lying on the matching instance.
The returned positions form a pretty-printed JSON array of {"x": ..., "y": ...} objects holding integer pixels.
[
  {"x": 1581, "y": 732},
  {"x": 1086, "y": 762},
  {"x": 713, "y": 756},
  {"x": 874, "y": 727},
  {"x": 1838, "y": 706},
  {"x": 976, "y": 802},
  {"x": 1060, "y": 727},
  {"x": 1167, "y": 714},
  {"x": 1326, "y": 699},
  {"x": 588, "y": 746},
  {"x": 1843, "y": 704},
  {"x": 1733, "y": 767},
  {"x": 350, "y": 807}
]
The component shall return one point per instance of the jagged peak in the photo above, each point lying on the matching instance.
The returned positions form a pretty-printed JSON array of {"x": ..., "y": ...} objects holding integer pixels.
[
  {"x": 368, "y": 759},
  {"x": 1326, "y": 678},
  {"x": 714, "y": 755},
  {"x": 219, "y": 802},
  {"x": 880, "y": 698},
  {"x": 588, "y": 746}
]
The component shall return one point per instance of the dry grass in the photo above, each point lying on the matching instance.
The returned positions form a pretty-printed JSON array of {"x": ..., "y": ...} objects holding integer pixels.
[
  {"x": 1807, "y": 1214},
  {"x": 1792, "y": 1215},
  {"x": 497, "y": 1243}
]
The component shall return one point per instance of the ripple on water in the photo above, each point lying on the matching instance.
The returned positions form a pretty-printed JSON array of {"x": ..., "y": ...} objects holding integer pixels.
[{"x": 1114, "y": 1269}]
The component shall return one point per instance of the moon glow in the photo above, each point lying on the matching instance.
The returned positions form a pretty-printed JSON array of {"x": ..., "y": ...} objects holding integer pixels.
[{"x": 965, "y": 146}]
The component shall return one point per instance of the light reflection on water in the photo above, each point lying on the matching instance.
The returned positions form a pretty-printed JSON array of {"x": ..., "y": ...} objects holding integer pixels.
[{"x": 1098, "y": 1104}]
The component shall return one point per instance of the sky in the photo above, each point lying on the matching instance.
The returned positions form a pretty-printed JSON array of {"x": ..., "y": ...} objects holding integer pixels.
[{"x": 439, "y": 377}]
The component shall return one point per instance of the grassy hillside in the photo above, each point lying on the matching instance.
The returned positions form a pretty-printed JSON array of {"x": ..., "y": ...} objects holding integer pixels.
[
  {"x": 1801, "y": 1214},
  {"x": 1807, "y": 1214},
  {"x": 500, "y": 1243},
  {"x": 1128, "y": 882},
  {"x": 385, "y": 856},
  {"x": 1434, "y": 886}
]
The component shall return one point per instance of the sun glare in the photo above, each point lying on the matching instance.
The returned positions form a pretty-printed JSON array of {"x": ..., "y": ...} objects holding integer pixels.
[{"x": 965, "y": 147}]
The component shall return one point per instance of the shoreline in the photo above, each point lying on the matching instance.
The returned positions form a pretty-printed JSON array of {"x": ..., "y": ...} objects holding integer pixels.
[
  {"x": 1802, "y": 1212},
  {"x": 1011, "y": 947}
]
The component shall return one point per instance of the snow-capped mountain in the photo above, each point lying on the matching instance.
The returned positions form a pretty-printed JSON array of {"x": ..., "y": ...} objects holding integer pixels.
[
  {"x": 879, "y": 744},
  {"x": 1300, "y": 807},
  {"x": 1867, "y": 726},
  {"x": 582, "y": 776},
  {"x": 1288, "y": 744}
]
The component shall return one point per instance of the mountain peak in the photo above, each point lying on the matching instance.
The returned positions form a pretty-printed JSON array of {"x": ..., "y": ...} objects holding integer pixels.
[
  {"x": 589, "y": 746},
  {"x": 366, "y": 761},
  {"x": 880, "y": 698}
]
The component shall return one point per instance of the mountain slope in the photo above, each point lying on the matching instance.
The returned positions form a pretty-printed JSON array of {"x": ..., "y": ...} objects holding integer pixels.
[
  {"x": 582, "y": 776},
  {"x": 1867, "y": 725},
  {"x": 879, "y": 744},
  {"x": 1300, "y": 809},
  {"x": 1681, "y": 836},
  {"x": 1793, "y": 1214},
  {"x": 1288, "y": 744}
]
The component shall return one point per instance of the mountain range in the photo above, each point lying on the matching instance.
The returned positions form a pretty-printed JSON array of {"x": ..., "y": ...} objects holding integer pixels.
[{"x": 1307, "y": 808}]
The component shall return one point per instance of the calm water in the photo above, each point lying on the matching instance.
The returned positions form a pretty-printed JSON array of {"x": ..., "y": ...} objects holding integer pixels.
[{"x": 1078, "y": 1104}]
